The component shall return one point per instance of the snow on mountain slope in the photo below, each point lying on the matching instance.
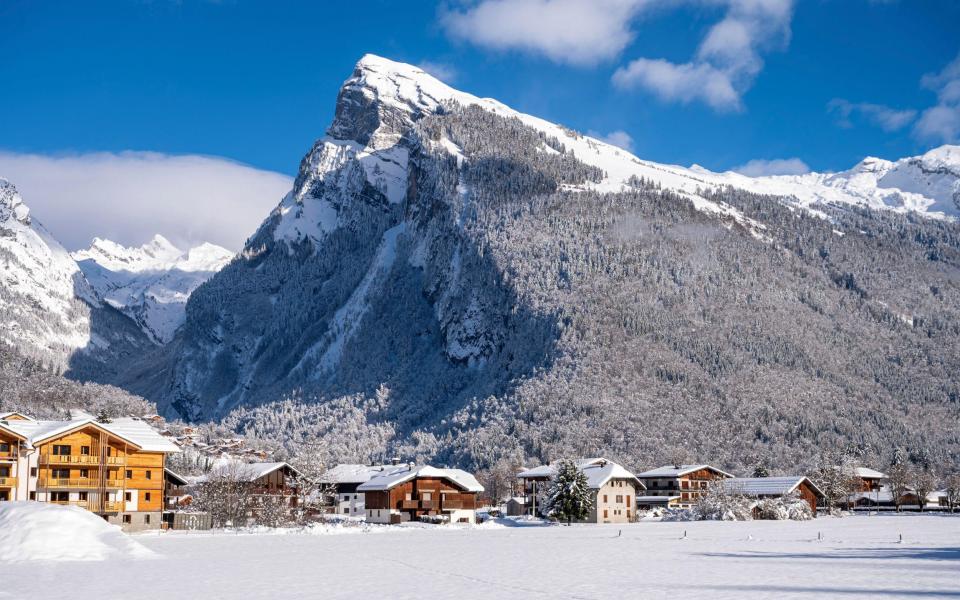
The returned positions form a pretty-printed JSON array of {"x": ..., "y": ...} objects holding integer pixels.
[
  {"x": 42, "y": 295},
  {"x": 929, "y": 184},
  {"x": 151, "y": 283}
]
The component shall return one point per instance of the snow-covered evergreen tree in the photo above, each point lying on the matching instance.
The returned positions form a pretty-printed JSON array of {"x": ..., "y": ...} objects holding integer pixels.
[{"x": 569, "y": 498}]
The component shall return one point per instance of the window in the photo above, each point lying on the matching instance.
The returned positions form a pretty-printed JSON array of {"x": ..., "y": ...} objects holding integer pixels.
[
  {"x": 127, "y": 497},
  {"x": 146, "y": 497},
  {"x": 628, "y": 513},
  {"x": 33, "y": 471},
  {"x": 619, "y": 499},
  {"x": 127, "y": 519},
  {"x": 146, "y": 519},
  {"x": 604, "y": 498},
  {"x": 685, "y": 484},
  {"x": 84, "y": 473},
  {"x": 628, "y": 503},
  {"x": 426, "y": 496},
  {"x": 149, "y": 474},
  {"x": 604, "y": 513},
  {"x": 4, "y": 447},
  {"x": 85, "y": 450},
  {"x": 4, "y": 471},
  {"x": 408, "y": 496},
  {"x": 60, "y": 473},
  {"x": 346, "y": 510},
  {"x": 129, "y": 473},
  {"x": 61, "y": 450},
  {"x": 33, "y": 495}
]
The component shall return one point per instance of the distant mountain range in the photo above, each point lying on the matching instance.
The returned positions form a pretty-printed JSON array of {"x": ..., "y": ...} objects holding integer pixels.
[{"x": 450, "y": 279}]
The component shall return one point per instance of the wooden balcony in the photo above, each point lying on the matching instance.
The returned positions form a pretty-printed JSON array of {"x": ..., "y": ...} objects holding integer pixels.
[
  {"x": 91, "y": 506},
  {"x": 80, "y": 459},
  {"x": 82, "y": 483},
  {"x": 8, "y": 455},
  {"x": 452, "y": 504},
  {"x": 8, "y": 481},
  {"x": 409, "y": 504}
]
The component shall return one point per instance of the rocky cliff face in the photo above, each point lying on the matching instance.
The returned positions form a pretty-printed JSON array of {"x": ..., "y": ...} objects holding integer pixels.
[
  {"x": 48, "y": 310},
  {"x": 462, "y": 282}
]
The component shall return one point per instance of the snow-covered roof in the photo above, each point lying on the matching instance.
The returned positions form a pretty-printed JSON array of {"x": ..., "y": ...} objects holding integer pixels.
[
  {"x": 598, "y": 471},
  {"x": 767, "y": 486},
  {"x": 244, "y": 471},
  {"x": 174, "y": 477},
  {"x": 403, "y": 473},
  {"x": 133, "y": 431},
  {"x": 7, "y": 415},
  {"x": 867, "y": 473},
  {"x": 354, "y": 473},
  {"x": 679, "y": 471}
]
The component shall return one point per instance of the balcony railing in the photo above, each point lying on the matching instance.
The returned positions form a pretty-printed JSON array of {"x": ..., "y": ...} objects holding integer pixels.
[
  {"x": 80, "y": 459},
  {"x": 83, "y": 483},
  {"x": 8, "y": 481},
  {"x": 8, "y": 455},
  {"x": 93, "y": 506}
]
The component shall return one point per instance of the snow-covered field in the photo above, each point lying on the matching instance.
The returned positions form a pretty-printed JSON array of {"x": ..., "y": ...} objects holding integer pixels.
[{"x": 858, "y": 557}]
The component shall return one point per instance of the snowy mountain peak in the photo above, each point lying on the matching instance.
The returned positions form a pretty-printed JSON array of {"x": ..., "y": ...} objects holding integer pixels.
[
  {"x": 11, "y": 205},
  {"x": 150, "y": 283}
]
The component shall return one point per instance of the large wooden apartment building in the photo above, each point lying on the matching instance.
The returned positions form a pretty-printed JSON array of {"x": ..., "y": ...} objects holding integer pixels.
[{"x": 114, "y": 469}]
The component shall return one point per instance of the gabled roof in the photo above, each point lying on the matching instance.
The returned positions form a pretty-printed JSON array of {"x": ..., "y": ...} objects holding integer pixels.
[
  {"x": 244, "y": 471},
  {"x": 133, "y": 431},
  {"x": 598, "y": 471},
  {"x": 867, "y": 473},
  {"x": 679, "y": 471},
  {"x": 173, "y": 477},
  {"x": 396, "y": 475},
  {"x": 767, "y": 486},
  {"x": 354, "y": 473},
  {"x": 19, "y": 415}
]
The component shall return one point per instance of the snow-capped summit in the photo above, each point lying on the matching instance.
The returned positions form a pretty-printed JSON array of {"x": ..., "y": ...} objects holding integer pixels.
[
  {"x": 150, "y": 283},
  {"x": 39, "y": 312}
]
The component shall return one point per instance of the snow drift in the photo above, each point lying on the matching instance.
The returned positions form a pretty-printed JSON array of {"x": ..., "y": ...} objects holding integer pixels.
[{"x": 36, "y": 531}]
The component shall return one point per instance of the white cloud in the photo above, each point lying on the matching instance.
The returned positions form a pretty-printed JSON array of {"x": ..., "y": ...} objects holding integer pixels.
[
  {"x": 727, "y": 61},
  {"x": 130, "y": 196},
  {"x": 942, "y": 121},
  {"x": 576, "y": 32},
  {"x": 441, "y": 71},
  {"x": 888, "y": 119},
  {"x": 618, "y": 138},
  {"x": 778, "y": 166},
  {"x": 680, "y": 83}
]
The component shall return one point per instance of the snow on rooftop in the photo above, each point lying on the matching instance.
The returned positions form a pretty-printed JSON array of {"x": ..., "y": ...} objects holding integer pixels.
[
  {"x": 679, "y": 471},
  {"x": 867, "y": 473},
  {"x": 764, "y": 486},
  {"x": 132, "y": 430},
  {"x": 403, "y": 473},
  {"x": 598, "y": 471},
  {"x": 354, "y": 473}
]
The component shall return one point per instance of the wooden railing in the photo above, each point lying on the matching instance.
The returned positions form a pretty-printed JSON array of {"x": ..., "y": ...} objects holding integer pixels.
[
  {"x": 79, "y": 459},
  {"x": 82, "y": 483},
  {"x": 8, "y": 481},
  {"x": 88, "y": 505},
  {"x": 8, "y": 455}
]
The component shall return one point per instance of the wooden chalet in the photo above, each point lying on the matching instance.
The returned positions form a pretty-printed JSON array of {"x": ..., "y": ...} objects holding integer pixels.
[
  {"x": 869, "y": 480},
  {"x": 343, "y": 481},
  {"x": 265, "y": 481},
  {"x": 776, "y": 487},
  {"x": 174, "y": 490},
  {"x": 677, "y": 486},
  {"x": 114, "y": 469},
  {"x": 412, "y": 493}
]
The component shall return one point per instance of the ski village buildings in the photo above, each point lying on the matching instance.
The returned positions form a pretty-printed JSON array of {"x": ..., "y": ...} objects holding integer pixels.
[{"x": 118, "y": 470}]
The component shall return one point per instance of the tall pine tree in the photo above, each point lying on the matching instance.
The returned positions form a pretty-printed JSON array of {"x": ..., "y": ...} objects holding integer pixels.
[{"x": 569, "y": 497}]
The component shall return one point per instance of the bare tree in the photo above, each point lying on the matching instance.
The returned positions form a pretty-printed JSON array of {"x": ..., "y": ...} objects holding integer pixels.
[
  {"x": 953, "y": 491},
  {"x": 836, "y": 476},
  {"x": 898, "y": 477},
  {"x": 226, "y": 495},
  {"x": 923, "y": 482}
]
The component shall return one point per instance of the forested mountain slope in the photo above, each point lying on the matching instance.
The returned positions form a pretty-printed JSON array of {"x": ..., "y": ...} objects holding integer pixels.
[{"x": 452, "y": 281}]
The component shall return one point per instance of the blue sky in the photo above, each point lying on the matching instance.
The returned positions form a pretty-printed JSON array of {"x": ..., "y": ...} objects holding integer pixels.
[{"x": 713, "y": 82}]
